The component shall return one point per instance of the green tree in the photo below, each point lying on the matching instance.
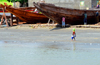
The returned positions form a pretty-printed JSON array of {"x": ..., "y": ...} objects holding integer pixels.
[
  {"x": 22, "y": 2},
  {"x": 3, "y": 0}
]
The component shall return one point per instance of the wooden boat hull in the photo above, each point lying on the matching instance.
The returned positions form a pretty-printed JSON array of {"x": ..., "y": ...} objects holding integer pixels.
[
  {"x": 27, "y": 16},
  {"x": 73, "y": 16},
  {"x": 22, "y": 8}
]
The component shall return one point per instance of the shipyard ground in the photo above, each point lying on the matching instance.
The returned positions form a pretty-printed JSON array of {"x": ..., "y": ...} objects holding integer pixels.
[
  {"x": 49, "y": 46},
  {"x": 49, "y": 34}
]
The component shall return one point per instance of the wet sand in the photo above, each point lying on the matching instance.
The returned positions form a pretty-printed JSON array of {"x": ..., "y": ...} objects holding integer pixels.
[{"x": 49, "y": 46}]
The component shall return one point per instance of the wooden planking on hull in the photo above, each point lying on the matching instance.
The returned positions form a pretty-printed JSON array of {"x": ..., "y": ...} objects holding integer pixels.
[
  {"x": 25, "y": 15},
  {"x": 73, "y": 16}
]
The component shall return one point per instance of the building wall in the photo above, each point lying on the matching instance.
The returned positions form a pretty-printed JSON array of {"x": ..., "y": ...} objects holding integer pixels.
[
  {"x": 94, "y": 3},
  {"x": 66, "y": 3},
  {"x": 30, "y": 2}
]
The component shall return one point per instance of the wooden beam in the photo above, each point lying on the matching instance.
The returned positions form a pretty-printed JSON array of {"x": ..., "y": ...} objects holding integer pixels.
[
  {"x": 17, "y": 20},
  {"x": 11, "y": 21}
]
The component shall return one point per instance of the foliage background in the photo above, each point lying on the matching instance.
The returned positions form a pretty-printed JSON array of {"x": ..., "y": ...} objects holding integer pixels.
[{"x": 3, "y": 1}]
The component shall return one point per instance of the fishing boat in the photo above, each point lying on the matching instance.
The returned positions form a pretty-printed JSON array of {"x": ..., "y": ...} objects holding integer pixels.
[
  {"x": 8, "y": 15},
  {"x": 73, "y": 16},
  {"x": 29, "y": 17}
]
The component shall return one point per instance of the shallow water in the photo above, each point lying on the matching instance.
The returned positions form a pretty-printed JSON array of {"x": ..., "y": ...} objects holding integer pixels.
[{"x": 72, "y": 53}]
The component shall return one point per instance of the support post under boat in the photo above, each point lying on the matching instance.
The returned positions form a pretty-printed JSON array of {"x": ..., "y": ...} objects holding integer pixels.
[
  {"x": 11, "y": 21},
  {"x": 49, "y": 22}
]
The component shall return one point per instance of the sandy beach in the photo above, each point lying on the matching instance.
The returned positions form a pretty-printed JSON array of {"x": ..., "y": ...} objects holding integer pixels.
[
  {"x": 28, "y": 34},
  {"x": 49, "y": 46}
]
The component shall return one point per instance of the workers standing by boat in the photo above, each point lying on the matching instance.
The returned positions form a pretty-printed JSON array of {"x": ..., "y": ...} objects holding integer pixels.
[
  {"x": 97, "y": 16},
  {"x": 4, "y": 16},
  {"x": 63, "y": 21},
  {"x": 85, "y": 18}
]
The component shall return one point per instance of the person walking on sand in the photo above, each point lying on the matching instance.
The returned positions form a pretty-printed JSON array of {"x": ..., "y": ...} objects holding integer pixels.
[
  {"x": 85, "y": 18},
  {"x": 73, "y": 34},
  {"x": 97, "y": 16},
  {"x": 4, "y": 16},
  {"x": 63, "y": 21}
]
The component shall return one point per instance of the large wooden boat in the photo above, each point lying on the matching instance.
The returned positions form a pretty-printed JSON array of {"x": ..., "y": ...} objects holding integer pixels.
[
  {"x": 26, "y": 16},
  {"x": 73, "y": 16}
]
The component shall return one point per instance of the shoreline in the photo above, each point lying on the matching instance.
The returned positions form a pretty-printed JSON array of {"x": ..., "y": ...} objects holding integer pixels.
[
  {"x": 35, "y": 26},
  {"x": 49, "y": 35}
]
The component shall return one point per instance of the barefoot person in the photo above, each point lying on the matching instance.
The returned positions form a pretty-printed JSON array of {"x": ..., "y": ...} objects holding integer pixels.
[
  {"x": 4, "y": 16},
  {"x": 63, "y": 21}
]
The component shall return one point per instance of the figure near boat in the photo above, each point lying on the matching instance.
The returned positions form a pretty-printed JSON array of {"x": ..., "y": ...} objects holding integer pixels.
[
  {"x": 85, "y": 18},
  {"x": 4, "y": 17},
  {"x": 63, "y": 21},
  {"x": 97, "y": 17}
]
